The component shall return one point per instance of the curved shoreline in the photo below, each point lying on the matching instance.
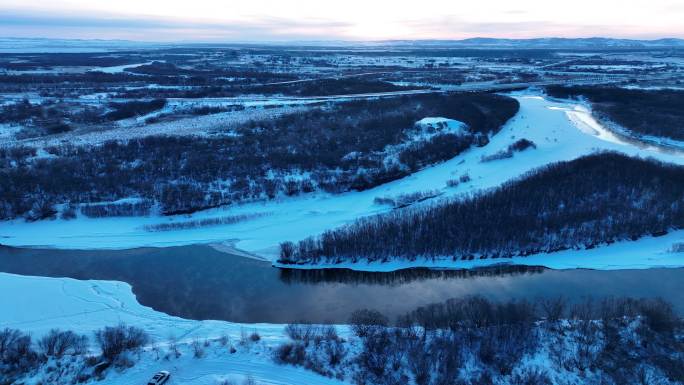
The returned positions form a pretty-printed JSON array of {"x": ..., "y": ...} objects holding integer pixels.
[
  {"x": 542, "y": 120},
  {"x": 644, "y": 253}
]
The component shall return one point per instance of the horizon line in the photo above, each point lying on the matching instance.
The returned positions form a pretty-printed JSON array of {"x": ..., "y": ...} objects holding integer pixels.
[{"x": 332, "y": 40}]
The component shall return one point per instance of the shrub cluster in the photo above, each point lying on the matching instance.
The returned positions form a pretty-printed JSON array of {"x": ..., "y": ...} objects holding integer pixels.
[
  {"x": 316, "y": 348},
  {"x": 62, "y": 356},
  {"x": 474, "y": 340},
  {"x": 517, "y": 146}
]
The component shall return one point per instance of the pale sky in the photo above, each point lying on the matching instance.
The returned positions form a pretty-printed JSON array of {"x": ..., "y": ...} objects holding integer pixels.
[{"x": 279, "y": 20}]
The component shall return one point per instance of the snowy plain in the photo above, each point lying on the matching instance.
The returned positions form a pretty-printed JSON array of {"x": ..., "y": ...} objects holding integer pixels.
[
  {"x": 561, "y": 130},
  {"x": 255, "y": 108}
]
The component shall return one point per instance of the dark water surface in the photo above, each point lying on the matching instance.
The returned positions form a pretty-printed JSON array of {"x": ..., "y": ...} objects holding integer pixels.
[{"x": 199, "y": 282}]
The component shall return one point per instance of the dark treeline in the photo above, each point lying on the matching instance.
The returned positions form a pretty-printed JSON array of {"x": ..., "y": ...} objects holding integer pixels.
[
  {"x": 342, "y": 146},
  {"x": 398, "y": 277},
  {"x": 33, "y": 61},
  {"x": 214, "y": 71},
  {"x": 582, "y": 203},
  {"x": 97, "y": 78},
  {"x": 38, "y": 119},
  {"x": 330, "y": 87},
  {"x": 645, "y": 112},
  {"x": 53, "y": 117},
  {"x": 94, "y": 77},
  {"x": 321, "y": 87},
  {"x": 437, "y": 51},
  {"x": 475, "y": 341},
  {"x": 479, "y": 312},
  {"x": 133, "y": 108},
  {"x": 126, "y": 209},
  {"x": 24, "y": 111},
  {"x": 428, "y": 76}
]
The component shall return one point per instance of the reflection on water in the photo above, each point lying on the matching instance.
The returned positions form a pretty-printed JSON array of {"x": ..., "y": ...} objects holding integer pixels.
[
  {"x": 201, "y": 283},
  {"x": 399, "y": 277}
]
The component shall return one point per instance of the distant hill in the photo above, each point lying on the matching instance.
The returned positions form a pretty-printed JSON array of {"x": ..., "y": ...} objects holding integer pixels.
[
  {"x": 36, "y": 45},
  {"x": 45, "y": 45},
  {"x": 547, "y": 43}
]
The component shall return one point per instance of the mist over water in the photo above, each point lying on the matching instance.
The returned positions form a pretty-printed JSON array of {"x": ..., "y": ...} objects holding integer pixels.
[{"x": 199, "y": 282}]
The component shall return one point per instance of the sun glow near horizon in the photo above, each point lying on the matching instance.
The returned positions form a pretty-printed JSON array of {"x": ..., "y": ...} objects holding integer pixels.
[{"x": 343, "y": 20}]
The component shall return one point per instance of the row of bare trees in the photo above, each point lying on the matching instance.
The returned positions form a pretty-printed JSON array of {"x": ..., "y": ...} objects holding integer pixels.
[{"x": 593, "y": 200}]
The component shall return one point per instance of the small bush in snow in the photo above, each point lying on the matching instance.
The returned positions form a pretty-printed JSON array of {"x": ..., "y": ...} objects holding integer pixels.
[
  {"x": 225, "y": 382},
  {"x": 408, "y": 199},
  {"x": 57, "y": 343},
  {"x": 453, "y": 182},
  {"x": 173, "y": 348},
  {"x": 290, "y": 353},
  {"x": 114, "y": 341},
  {"x": 316, "y": 348},
  {"x": 223, "y": 340},
  {"x": 660, "y": 315},
  {"x": 364, "y": 321},
  {"x": 68, "y": 212},
  {"x": 247, "y": 338},
  {"x": 42, "y": 208},
  {"x": 17, "y": 356},
  {"x": 384, "y": 201},
  {"x": 531, "y": 377},
  {"x": 554, "y": 308},
  {"x": 197, "y": 348},
  {"x": 249, "y": 381},
  {"x": 299, "y": 331},
  {"x": 677, "y": 248},
  {"x": 287, "y": 251},
  {"x": 518, "y": 146}
]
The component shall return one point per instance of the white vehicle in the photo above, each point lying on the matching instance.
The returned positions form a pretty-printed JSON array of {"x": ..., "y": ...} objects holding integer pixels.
[{"x": 160, "y": 378}]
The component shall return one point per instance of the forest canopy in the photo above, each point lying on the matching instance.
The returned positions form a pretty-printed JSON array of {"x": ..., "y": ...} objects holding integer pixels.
[{"x": 595, "y": 199}]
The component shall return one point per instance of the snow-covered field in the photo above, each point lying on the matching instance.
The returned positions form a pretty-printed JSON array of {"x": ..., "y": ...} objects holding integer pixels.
[
  {"x": 40, "y": 304},
  {"x": 256, "y": 108},
  {"x": 561, "y": 131},
  {"x": 121, "y": 68},
  {"x": 137, "y": 128}
]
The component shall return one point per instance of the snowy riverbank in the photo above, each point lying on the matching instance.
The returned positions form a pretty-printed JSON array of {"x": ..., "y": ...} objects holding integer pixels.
[
  {"x": 648, "y": 252},
  {"x": 560, "y": 130},
  {"x": 40, "y": 304}
]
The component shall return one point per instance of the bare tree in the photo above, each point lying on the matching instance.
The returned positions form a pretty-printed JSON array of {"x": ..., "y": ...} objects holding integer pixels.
[
  {"x": 365, "y": 321},
  {"x": 554, "y": 308},
  {"x": 57, "y": 343}
]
